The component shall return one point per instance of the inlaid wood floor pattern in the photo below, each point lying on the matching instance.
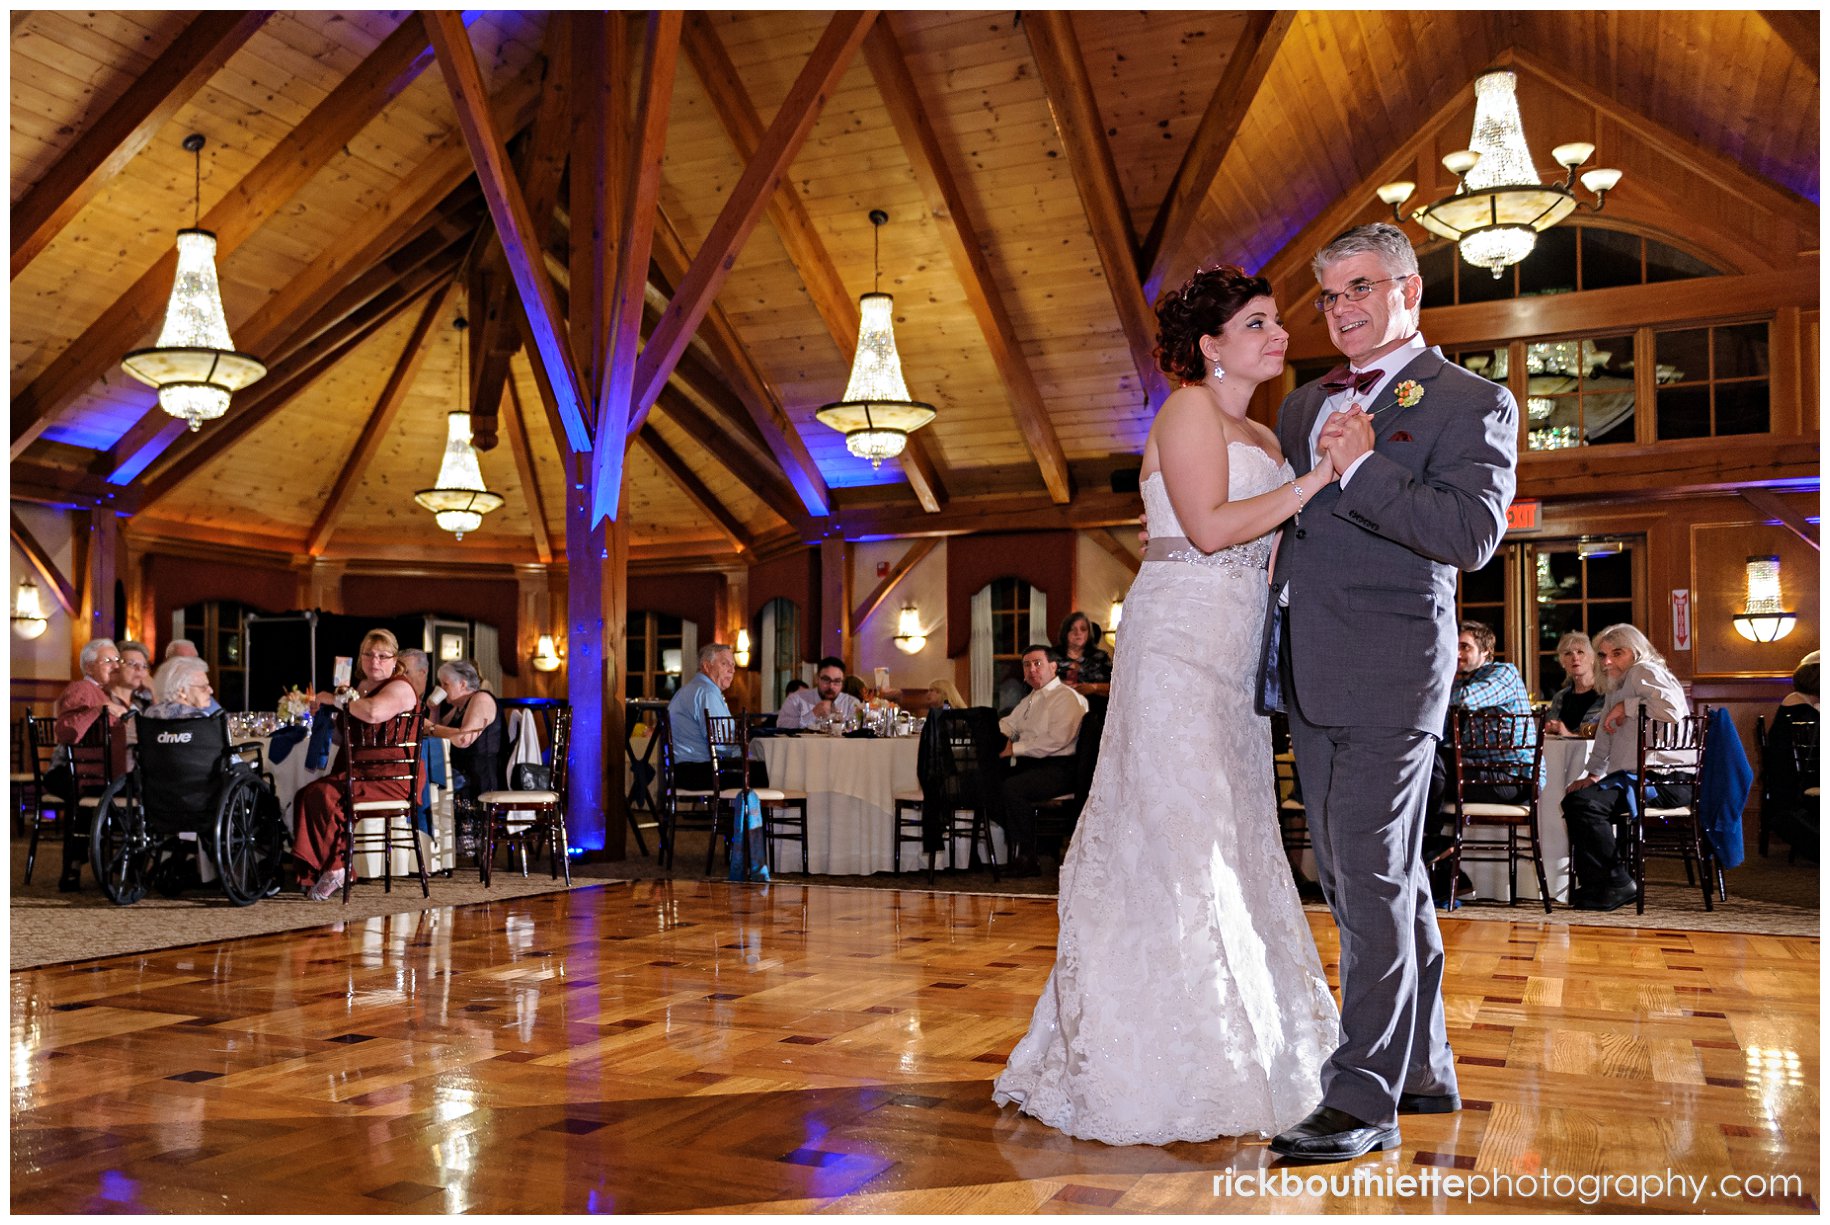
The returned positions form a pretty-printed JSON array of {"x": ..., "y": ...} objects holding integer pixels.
[{"x": 688, "y": 1046}]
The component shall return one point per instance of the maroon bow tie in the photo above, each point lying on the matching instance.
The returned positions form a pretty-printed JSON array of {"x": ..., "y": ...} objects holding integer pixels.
[{"x": 1343, "y": 379}]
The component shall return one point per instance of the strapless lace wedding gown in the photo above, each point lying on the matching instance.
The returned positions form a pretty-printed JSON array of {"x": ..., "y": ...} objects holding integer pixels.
[{"x": 1187, "y": 1000}]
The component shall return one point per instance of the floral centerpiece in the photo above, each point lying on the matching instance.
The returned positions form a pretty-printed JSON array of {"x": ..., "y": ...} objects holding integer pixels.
[{"x": 295, "y": 704}]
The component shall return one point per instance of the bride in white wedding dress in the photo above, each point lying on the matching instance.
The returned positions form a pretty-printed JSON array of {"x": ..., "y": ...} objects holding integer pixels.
[{"x": 1187, "y": 1000}]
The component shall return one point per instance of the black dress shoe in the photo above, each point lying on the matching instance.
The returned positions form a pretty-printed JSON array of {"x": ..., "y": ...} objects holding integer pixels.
[
  {"x": 1333, "y": 1135},
  {"x": 1024, "y": 866},
  {"x": 1614, "y": 899},
  {"x": 1428, "y": 1103}
]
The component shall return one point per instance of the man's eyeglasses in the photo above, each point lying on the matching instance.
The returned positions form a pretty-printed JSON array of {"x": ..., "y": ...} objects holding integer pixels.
[
  {"x": 111, "y": 661},
  {"x": 1356, "y": 292},
  {"x": 378, "y": 655},
  {"x": 831, "y": 680}
]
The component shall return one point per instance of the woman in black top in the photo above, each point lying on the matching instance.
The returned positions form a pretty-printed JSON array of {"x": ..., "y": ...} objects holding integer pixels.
[
  {"x": 472, "y": 721},
  {"x": 1578, "y": 702},
  {"x": 1081, "y": 665}
]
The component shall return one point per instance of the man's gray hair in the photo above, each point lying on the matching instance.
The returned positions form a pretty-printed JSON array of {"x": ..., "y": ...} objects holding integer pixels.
[
  {"x": 1380, "y": 238},
  {"x": 128, "y": 644},
  {"x": 463, "y": 669},
  {"x": 412, "y": 659},
  {"x": 171, "y": 648},
  {"x": 711, "y": 651},
  {"x": 93, "y": 652},
  {"x": 177, "y": 674}
]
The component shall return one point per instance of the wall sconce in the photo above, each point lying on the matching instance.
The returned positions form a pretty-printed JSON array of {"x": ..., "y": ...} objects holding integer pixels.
[
  {"x": 910, "y": 637},
  {"x": 29, "y": 620},
  {"x": 546, "y": 655},
  {"x": 742, "y": 651},
  {"x": 1113, "y": 618},
  {"x": 1765, "y": 619}
]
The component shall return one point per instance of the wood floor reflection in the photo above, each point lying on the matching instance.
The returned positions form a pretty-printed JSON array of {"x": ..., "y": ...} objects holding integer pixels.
[{"x": 684, "y": 1046}]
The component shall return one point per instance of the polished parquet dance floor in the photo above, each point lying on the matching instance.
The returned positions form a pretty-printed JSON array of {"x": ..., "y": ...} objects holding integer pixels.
[{"x": 689, "y": 1046}]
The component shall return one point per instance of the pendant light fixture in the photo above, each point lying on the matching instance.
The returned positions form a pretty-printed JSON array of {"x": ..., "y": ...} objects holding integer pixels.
[
  {"x": 876, "y": 414},
  {"x": 1765, "y": 618},
  {"x": 29, "y": 619},
  {"x": 460, "y": 499},
  {"x": 195, "y": 365}
]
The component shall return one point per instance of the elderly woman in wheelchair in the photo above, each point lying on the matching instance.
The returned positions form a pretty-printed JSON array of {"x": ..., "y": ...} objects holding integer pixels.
[{"x": 188, "y": 787}]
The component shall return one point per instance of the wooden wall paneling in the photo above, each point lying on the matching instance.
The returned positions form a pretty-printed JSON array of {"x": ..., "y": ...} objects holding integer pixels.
[
  {"x": 1077, "y": 124},
  {"x": 125, "y": 128},
  {"x": 522, "y": 449},
  {"x": 917, "y": 551},
  {"x": 1245, "y": 72},
  {"x": 293, "y": 162},
  {"x": 947, "y": 208},
  {"x": 1717, "y": 552},
  {"x": 44, "y": 566},
  {"x": 380, "y": 420},
  {"x": 515, "y": 229}
]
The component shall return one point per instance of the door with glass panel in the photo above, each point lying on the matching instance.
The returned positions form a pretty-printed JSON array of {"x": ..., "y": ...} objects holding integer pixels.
[{"x": 1584, "y": 585}]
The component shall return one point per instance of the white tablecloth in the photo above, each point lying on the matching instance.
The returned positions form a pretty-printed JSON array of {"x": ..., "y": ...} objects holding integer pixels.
[
  {"x": 1563, "y": 760},
  {"x": 851, "y": 787}
]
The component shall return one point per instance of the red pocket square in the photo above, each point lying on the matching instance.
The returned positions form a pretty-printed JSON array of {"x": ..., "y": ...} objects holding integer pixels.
[{"x": 1403, "y": 436}]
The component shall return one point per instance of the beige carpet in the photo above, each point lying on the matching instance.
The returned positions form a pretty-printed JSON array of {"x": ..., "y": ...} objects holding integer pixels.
[{"x": 49, "y": 927}]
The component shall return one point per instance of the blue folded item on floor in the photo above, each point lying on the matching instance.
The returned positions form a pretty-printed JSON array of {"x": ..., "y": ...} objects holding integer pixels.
[
  {"x": 283, "y": 741},
  {"x": 746, "y": 843},
  {"x": 317, "y": 756}
]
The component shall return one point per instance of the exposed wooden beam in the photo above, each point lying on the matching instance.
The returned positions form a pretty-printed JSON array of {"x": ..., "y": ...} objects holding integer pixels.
[
  {"x": 1772, "y": 506},
  {"x": 599, "y": 107},
  {"x": 683, "y": 409},
  {"x": 616, "y": 413},
  {"x": 1081, "y": 131},
  {"x": 947, "y": 208},
  {"x": 291, "y": 164},
  {"x": 881, "y": 592},
  {"x": 514, "y": 227},
  {"x": 1108, "y": 540},
  {"x": 694, "y": 294},
  {"x": 125, "y": 128},
  {"x": 746, "y": 379},
  {"x": 1245, "y": 72},
  {"x": 381, "y": 420},
  {"x": 694, "y": 488},
  {"x": 1799, "y": 29},
  {"x": 61, "y": 589},
  {"x": 521, "y": 446}
]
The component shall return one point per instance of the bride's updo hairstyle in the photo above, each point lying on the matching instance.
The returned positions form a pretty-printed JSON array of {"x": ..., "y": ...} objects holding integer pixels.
[{"x": 1200, "y": 308}]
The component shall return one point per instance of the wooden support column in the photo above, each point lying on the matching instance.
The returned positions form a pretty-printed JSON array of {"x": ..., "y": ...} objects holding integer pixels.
[
  {"x": 321, "y": 583},
  {"x": 597, "y": 599},
  {"x": 836, "y": 599},
  {"x": 101, "y": 566}
]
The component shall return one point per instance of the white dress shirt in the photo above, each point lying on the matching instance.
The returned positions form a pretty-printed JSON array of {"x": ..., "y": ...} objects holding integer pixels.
[
  {"x": 1046, "y": 723},
  {"x": 797, "y": 707},
  {"x": 1388, "y": 366}
]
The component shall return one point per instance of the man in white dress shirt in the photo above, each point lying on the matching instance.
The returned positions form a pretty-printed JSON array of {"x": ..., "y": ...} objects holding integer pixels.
[
  {"x": 1043, "y": 730},
  {"x": 802, "y": 707}
]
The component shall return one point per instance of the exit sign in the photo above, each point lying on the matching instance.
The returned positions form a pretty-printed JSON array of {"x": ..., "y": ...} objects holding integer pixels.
[{"x": 1522, "y": 517}]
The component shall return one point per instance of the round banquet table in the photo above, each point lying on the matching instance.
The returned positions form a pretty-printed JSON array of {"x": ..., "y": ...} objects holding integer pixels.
[{"x": 851, "y": 787}]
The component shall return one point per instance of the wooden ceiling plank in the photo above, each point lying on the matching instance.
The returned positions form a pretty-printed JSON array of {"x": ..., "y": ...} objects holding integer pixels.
[
  {"x": 291, "y": 164},
  {"x": 1081, "y": 131},
  {"x": 695, "y": 489},
  {"x": 947, "y": 208},
  {"x": 508, "y": 208},
  {"x": 695, "y": 293},
  {"x": 1089, "y": 509},
  {"x": 61, "y": 589},
  {"x": 881, "y": 592},
  {"x": 746, "y": 379},
  {"x": 380, "y": 421},
  {"x": 1798, "y": 28},
  {"x": 521, "y": 446},
  {"x": 115, "y": 139},
  {"x": 618, "y": 416},
  {"x": 1245, "y": 73},
  {"x": 683, "y": 409},
  {"x": 1773, "y": 506}
]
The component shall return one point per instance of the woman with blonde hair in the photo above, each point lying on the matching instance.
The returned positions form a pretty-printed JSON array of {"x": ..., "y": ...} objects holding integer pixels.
[
  {"x": 1633, "y": 677},
  {"x": 1578, "y": 701},
  {"x": 943, "y": 694}
]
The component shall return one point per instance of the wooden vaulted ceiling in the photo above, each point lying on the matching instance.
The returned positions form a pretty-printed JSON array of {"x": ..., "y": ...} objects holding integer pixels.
[{"x": 1045, "y": 174}]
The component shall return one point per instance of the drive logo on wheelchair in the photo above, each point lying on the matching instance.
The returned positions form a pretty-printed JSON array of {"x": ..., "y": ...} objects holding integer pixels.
[{"x": 174, "y": 737}]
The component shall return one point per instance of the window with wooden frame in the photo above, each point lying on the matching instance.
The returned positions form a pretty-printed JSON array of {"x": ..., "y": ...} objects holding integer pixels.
[
  {"x": 1577, "y": 585},
  {"x": 218, "y": 629},
  {"x": 1483, "y": 595},
  {"x": 1567, "y": 259},
  {"x": 1714, "y": 381},
  {"x": 1009, "y": 621},
  {"x": 654, "y": 653}
]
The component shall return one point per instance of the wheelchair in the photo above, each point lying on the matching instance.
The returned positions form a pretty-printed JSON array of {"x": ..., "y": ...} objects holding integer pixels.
[{"x": 187, "y": 778}]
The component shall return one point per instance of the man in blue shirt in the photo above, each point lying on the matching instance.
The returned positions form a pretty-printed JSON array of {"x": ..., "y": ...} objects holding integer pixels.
[{"x": 700, "y": 696}]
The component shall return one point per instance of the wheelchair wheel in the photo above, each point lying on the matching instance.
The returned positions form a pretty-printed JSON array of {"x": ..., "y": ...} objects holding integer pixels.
[
  {"x": 248, "y": 842},
  {"x": 119, "y": 850}
]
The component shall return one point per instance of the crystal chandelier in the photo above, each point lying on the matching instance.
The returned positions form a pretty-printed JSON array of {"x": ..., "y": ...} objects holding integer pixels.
[
  {"x": 1499, "y": 207},
  {"x": 460, "y": 499},
  {"x": 876, "y": 414},
  {"x": 1766, "y": 618},
  {"x": 194, "y": 365},
  {"x": 29, "y": 619}
]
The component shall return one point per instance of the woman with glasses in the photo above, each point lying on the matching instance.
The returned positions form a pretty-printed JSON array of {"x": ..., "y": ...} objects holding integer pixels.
[
  {"x": 380, "y": 693},
  {"x": 132, "y": 686}
]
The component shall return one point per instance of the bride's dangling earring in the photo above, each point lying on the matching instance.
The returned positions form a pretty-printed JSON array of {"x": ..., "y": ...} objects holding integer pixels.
[{"x": 1219, "y": 375}]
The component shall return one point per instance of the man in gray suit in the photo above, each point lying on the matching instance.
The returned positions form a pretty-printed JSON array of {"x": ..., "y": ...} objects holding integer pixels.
[{"x": 1360, "y": 650}]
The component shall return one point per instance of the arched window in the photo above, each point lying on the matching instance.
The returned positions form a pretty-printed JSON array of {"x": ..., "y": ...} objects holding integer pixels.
[
  {"x": 1007, "y": 615},
  {"x": 1567, "y": 259}
]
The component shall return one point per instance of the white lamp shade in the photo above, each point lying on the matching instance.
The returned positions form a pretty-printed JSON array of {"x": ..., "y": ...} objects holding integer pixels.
[
  {"x": 194, "y": 365},
  {"x": 460, "y": 500},
  {"x": 876, "y": 414}
]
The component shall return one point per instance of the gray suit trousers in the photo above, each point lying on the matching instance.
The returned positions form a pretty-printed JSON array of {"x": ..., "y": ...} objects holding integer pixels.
[{"x": 1364, "y": 789}]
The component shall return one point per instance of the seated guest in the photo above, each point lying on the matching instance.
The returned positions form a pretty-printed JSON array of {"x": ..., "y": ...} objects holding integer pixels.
[
  {"x": 1785, "y": 809},
  {"x": 1633, "y": 675},
  {"x": 854, "y": 687},
  {"x": 84, "y": 700},
  {"x": 1084, "y": 667},
  {"x": 944, "y": 695},
  {"x": 180, "y": 646},
  {"x": 181, "y": 690},
  {"x": 472, "y": 721},
  {"x": 1043, "y": 730},
  {"x": 132, "y": 683},
  {"x": 794, "y": 686},
  {"x": 828, "y": 697},
  {"x": 702, "y": 695},
  {"x": 414, "y": 664},
  {"x": 380, "y": 693},
  {"x": 1578, "y": 701},
  {"x": 1481, "y": 683}
]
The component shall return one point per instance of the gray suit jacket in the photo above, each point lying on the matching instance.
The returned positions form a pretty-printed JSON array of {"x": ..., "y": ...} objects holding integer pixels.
[{"x": 1372, "y": 569}]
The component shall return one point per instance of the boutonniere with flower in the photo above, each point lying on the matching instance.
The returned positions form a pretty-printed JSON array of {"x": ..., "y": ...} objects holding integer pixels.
[{"x": 1409, "y": 392}]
